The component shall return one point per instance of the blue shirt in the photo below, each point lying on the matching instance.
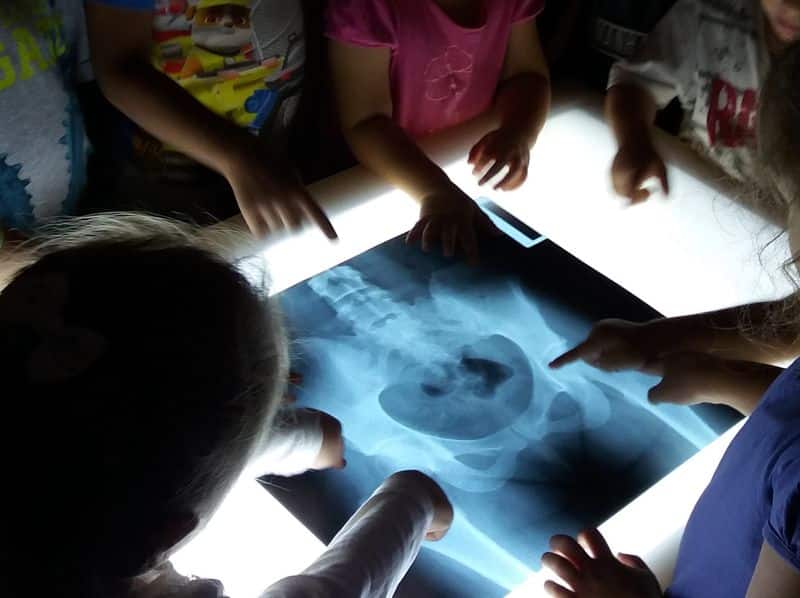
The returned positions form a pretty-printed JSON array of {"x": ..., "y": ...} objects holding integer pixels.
[{"x": 754, "y": 497}]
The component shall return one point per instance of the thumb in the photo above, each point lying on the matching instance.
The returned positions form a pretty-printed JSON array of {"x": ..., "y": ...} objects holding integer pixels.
[{"x": 660, "y": 393}]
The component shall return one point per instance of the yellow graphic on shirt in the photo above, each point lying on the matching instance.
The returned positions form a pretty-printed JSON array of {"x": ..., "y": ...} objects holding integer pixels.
[
  {"x": 35, "y": 31},
  {"x": 216, "y": 62}
]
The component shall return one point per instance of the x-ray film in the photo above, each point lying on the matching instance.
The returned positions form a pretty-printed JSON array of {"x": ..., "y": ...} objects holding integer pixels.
[{"x": 435, "y": 365}]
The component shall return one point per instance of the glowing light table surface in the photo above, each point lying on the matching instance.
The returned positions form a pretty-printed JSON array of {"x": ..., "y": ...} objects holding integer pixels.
[{"x": 696, "y": 250}]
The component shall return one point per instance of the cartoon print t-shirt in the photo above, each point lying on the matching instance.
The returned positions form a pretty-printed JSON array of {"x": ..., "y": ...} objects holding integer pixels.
[
  {"x": 242, "y": 59},
  {"x": 711, "y": 55},
  {"x": 42, "y": 140}
]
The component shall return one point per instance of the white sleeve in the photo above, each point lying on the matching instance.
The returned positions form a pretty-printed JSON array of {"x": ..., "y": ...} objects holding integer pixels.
[
  {"x": 290, "y": 447},
  {"x": 372, "y": 553},
  {"x": 666, "y": 64}
]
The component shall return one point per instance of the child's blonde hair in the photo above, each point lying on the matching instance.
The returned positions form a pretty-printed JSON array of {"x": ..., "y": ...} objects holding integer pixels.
[
  {"x": 779, "y": 129},
  {"x": 138, "y": 371}
]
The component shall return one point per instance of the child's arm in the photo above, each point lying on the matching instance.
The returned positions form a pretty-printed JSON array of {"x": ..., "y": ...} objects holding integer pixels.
[
  {"x": 631, "y": 112},
  {"x": 762, "y": 332},
  {"x": 663, "y": 69},
  {"x": 269, "y": 195},
  {"x": 693, "y": 378},
  {"x": 361, "y": 81},
  {"x": 372, "y": 553},
  {"x": 774, "y": 576},
  {"x": 299, "y": 440},
  {"x": 592, "y": 571},
  {"x": 522, "y": 104}
]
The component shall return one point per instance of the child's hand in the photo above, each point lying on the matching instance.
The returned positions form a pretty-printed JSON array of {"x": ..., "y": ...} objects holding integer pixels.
[
  {"x": 501, "y": 147},
  {"x": 592, "y": 571},
  {"x": 442, "y": 514},
  {"x": 689, "y": 379},
  {"x": 633, "y": 165},
  {"x": 612, "y": 345},
  {"x": 331, "y": 454},
  {"x": 442, "y": 509},
  {"x": 452, "y": 219},
  {"x": 270, "y": 196}
]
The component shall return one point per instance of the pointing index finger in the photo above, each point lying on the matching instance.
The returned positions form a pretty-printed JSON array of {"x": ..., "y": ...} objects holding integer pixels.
[
  {"x": 315, "y": 212},
  {"x": 577, "y": 353}
]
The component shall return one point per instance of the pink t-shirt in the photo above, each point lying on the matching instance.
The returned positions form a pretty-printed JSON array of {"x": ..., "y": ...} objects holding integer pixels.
[{"x": 441, "y": 73}]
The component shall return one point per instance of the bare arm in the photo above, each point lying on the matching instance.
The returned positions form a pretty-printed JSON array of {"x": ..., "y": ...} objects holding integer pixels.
[
  {"x": 765, "y": 333},
  {"x": 631, "y": 112},
  {"x": 269, "y": 195},
  {"x": 773, "y": 576},
  {"x": 522, "y": 103},
  {"x": 361, "y": 80},
  {"x": 761, "y": 332},
  {"x": 692, "y": 378},
  {"x": 375, "y": 548},
  {"x": 523, "y": 98},
  {"x": 121, "y": 60}
]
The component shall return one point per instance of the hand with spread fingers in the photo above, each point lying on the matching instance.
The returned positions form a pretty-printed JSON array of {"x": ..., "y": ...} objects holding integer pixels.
[
  {"x": 589, "y": 569},
  {"x": 452, "y": 219},
  {"x": 498, "y": 149}
]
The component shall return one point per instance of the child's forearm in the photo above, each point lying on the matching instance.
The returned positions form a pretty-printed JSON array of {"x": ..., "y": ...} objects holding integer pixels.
[
  {"x": 166, "y": 111},
  {"x": 383, "y": 147},
  {"x": 373, "y": 551},
  {"x": 630, "y": 112},
  {"x": 523, "y": 103},
  {"x": 761, "y": 332},
  {"x": 742, "y": 384}
]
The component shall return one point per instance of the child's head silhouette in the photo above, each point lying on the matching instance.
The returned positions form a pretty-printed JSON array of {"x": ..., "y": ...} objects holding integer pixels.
[{"x": 138, "y": 371}]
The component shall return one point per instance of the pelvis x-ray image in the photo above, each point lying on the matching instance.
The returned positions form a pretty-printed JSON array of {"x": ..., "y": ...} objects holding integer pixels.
[{"x": 434, "y": 365}]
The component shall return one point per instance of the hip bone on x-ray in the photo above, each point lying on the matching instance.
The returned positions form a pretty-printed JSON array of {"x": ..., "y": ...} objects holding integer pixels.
[{"x": 434, "y": 365}]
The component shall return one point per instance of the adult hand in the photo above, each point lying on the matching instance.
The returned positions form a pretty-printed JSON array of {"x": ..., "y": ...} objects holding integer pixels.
[
  {"x": 496, "y": 150},
  {"x": 590, "y": 570}
]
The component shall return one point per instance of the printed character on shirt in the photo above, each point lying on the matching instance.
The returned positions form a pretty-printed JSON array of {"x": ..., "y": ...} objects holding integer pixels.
[{"x": 241, "y": 60}]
